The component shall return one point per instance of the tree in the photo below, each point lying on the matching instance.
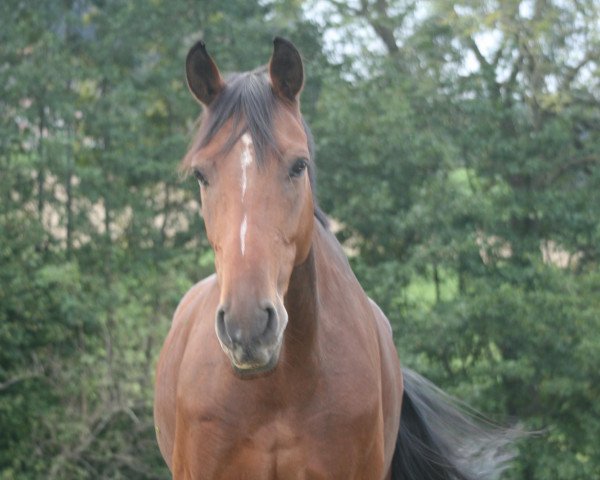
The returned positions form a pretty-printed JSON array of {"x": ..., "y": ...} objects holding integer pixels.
[
  {"x": 100, "y": 235},
  {"x": 465, "y": 150}
]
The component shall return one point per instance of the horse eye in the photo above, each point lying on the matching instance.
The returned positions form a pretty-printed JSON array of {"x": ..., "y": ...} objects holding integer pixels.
[
  {"x": 200, "y": 177},
  {"x": 298, "y": 167}
]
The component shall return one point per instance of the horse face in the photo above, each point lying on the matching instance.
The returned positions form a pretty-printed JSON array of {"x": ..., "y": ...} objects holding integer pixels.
[{"x": 256, "y": 201}]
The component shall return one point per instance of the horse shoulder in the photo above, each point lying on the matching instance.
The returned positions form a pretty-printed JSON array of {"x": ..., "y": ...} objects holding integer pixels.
[
  {"x": 365, "y": 356},
  {"x": 169, "y": 363},
  {"x": 391, "y": 380}
]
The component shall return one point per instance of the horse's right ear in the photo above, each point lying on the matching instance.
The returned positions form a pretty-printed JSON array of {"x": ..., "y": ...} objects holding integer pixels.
[
  {"x": 285, "y": 69},
  {"x": 202, "y": 75}
]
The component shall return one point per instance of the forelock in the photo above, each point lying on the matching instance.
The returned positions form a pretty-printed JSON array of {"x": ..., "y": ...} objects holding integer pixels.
[{"x": 248, "y": 100}]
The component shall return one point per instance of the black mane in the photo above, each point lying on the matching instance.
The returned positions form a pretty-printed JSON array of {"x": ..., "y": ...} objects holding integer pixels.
[{"x": 248, "y": 99}]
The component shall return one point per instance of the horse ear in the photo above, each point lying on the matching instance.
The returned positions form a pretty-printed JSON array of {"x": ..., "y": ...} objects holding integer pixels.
[
  {"x": 202, "y": 75},
  {"x": 285, "y": 69}
]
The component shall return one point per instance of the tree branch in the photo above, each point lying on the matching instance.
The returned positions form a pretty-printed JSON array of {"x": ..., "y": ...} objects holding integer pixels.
[
  {"x": 511, "y": 81},
  {"x": 487, "y": 68},
  {"x": 574, "y": 163},
  {"x": 100, "y": 421},
  {"x": 475, "y": 49},
  {"x": 498, "y": 54},
  {"x": 344, "y": 8},
  {"x": 19, "y": 378},
  {"x": 573, "y": 71},
  {"x": 381, "y": 25}
]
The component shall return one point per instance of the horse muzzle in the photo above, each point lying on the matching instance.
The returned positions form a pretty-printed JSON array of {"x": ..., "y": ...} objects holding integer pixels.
[{"x": 251, "y": 335}]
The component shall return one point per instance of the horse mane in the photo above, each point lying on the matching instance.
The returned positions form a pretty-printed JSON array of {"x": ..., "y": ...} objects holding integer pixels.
[{"x": 250, "y": 102}]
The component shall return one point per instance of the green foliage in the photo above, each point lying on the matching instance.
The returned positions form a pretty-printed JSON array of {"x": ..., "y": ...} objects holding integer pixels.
[
  {"x": 99, "y": 235},
  {"x": 464, "y": 170}
]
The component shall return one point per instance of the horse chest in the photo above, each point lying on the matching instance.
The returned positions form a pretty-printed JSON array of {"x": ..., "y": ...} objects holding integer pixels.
[{"x": 323, "y": 446}]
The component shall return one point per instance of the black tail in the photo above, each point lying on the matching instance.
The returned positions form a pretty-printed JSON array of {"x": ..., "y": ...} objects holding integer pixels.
[{"x": 440, "y": 439}]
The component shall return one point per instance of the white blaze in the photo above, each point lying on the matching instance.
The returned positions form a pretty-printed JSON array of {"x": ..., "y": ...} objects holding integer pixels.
[
  {"x": 243, "y": 229},
  {"x": 245, "y": 161}
]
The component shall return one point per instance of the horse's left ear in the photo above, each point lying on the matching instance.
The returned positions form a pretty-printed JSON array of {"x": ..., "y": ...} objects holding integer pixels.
[{"x": 285, "y": 69}]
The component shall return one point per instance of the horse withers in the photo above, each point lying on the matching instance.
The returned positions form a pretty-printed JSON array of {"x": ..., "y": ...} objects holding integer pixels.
[{"x": 279, "y": 366}]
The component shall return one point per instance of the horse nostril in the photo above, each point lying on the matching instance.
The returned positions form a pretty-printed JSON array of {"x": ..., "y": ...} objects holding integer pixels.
[
  {"x": 222, "y": 332},
  {"x": 247, "y": 330},
  {"x": 271, "y": 324}
]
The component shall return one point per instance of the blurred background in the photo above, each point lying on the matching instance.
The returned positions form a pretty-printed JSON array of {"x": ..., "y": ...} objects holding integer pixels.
[{"x": 459, "y": 155}]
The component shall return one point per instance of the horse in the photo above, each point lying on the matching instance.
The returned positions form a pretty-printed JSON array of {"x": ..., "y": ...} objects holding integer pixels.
[{"x": 279, "y": 366}]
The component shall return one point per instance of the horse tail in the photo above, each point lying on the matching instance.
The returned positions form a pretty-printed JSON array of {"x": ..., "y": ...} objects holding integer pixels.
[{"x": 442, "y": 439}]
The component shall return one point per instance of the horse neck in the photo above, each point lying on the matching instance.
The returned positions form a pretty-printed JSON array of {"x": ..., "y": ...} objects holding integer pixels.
[
  {"x": 304, "y": 298},
  {"x": 301, "y": 303}
]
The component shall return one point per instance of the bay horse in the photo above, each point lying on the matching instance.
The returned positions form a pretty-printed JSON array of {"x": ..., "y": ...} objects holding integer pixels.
[{"x": 279, "y": 366}]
